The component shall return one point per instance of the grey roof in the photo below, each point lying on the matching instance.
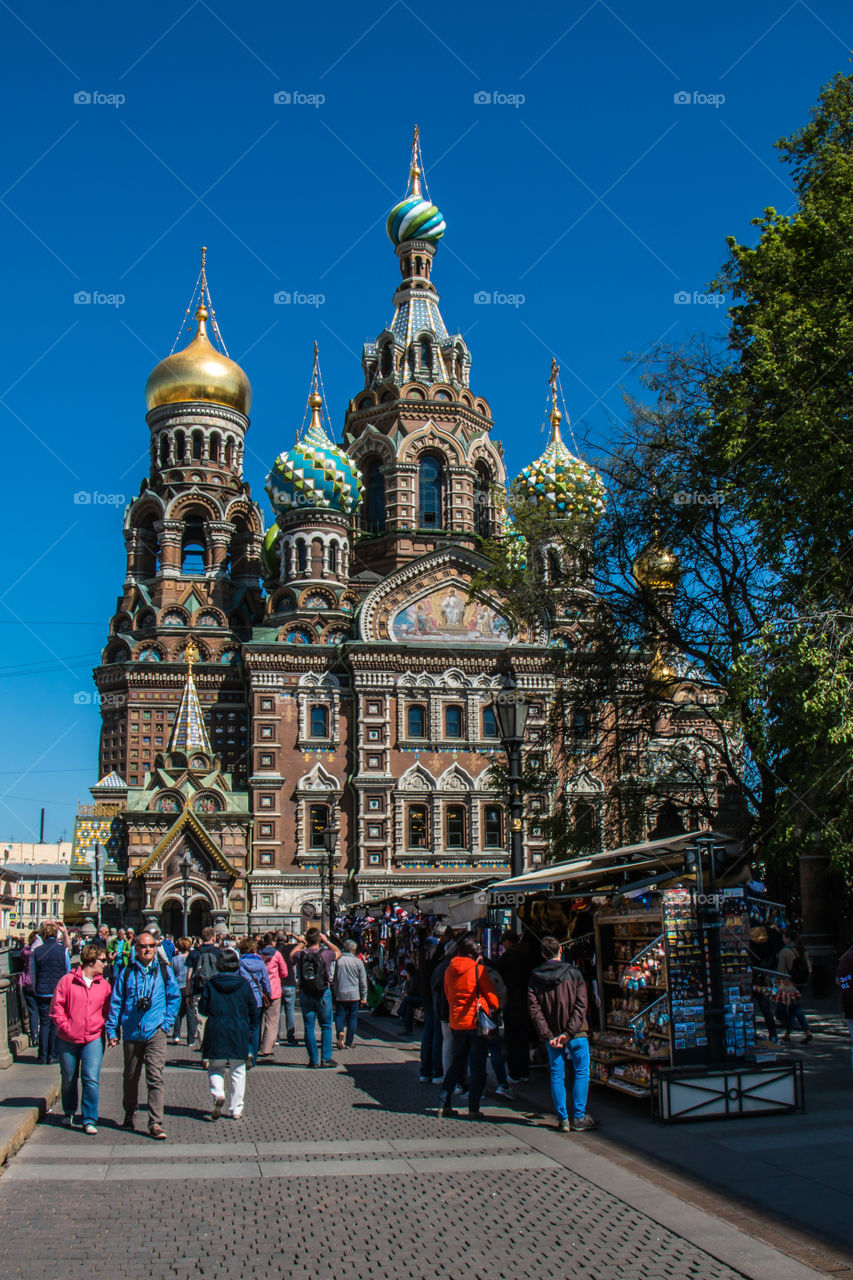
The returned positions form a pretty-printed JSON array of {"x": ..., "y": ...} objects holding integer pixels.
[{"x": 44, "y": 870}]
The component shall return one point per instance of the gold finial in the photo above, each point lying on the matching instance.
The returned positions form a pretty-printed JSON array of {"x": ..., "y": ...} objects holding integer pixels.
[
  {"x": 414, "y": 171},
  {"x": 315, "y": 400},
  {"x": 192, "y": 655},
  {"x": 556, "y": 415}
]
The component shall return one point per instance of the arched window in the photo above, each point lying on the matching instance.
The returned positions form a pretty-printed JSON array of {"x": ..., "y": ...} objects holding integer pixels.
[
  {"x": 581, "y": 724},
  {"x": 198, "y": 445},
  {"x": 555, "y": 568},
  {"x": 301, "y": 557},
  {"x": 416, "y": 722},
  {"x": 455, "y": 826},
  {"x": 492, "y": 827},
  {"x": 453, "y": 721},
  {"x": 425, "y": 353},
  {"x": 586, "y": 824},
  {"x": 319, "y": 722},
  {"x": 164, "y": 450},
  {"x": 333, "y": 557},
  {"x": 482, "y": 501},
  {"x": 214, "y": 448},
  {"x": 490, "y": 723},
  {"x": 417, "y": 826},
  {"x": 373, "y": 502},
  {"x": 192, "y": 551},
  {"x": 180, "y": 447},
  {"x": 430, "y": 478},
  {"x": 387, "y": 360},
  {"x": 229, "y": 452}
]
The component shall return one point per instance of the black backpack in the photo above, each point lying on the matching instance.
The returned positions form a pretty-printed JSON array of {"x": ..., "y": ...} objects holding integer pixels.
[
  {"x": 205, "y": 969},
  {"x": 799, "y": 971},
  {"x": 313, "y": 974}
]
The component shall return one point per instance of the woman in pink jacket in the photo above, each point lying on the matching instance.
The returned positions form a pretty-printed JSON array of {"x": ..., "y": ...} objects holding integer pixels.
[
  {"x": 277, "y": 970},
  {"x": 80, "y": 1006}
]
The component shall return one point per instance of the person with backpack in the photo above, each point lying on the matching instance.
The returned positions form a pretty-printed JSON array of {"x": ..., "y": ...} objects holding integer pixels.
[
  {"x": 278, "y": 975},
  {"x": 145, "y": 1003},
  {"x": 79, "y": 1010},
  {"x": 254, "y": 970},
  {"x": 201, "y": 966},
  {"x": 230, "y": 1030},
  {"x": 793, "y": 963},
  {"x": 470, "y": 994},
  {"x": 314, "y": 957},
  {"x": 48, "y": 963}
]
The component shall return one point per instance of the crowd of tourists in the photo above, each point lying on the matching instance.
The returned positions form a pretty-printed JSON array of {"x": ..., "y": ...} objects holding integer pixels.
[{"x": 234, "y": 1001}]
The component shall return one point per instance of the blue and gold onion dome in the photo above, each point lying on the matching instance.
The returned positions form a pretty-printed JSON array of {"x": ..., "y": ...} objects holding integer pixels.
[
  {"x": 199, "y": 373},
  {"x": 315, "y": 472},
  {"x": 562, "y": 481}
]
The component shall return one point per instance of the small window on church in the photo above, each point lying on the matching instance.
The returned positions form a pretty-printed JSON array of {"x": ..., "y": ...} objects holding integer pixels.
[
  {"x": 418, "y": 826},
  {"x": 430, "y": 493},
  {"x": 416, "y": 722},
  {"x": 490, "y": 723},
  {"x": 318, "y": 820},
  {"x": 319, "y": 722},
  {"x": 455, "y": 820},
  {"x": 492, "y": 827},
  {"x": 453, "y": 721}
]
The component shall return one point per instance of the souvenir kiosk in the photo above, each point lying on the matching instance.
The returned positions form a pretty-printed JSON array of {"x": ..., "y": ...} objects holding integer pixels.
[{"x": 662, "y": 933}]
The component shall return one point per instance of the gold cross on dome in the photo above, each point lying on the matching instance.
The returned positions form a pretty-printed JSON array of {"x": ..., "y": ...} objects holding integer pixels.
[{"x": 192, "y": 655}]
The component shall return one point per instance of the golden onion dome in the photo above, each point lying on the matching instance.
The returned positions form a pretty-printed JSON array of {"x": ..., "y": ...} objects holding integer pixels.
[
  {"x": 661, "y": 680},
  {"x": 199, "y": 373},
  {"x": 656, "y": 568}
]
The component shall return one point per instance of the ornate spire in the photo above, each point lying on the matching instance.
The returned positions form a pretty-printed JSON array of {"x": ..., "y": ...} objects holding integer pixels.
[
  {"x": 556, "y": 415},
  {"x": 189, "y": 732},
  {"x": 415, "y": 217}
]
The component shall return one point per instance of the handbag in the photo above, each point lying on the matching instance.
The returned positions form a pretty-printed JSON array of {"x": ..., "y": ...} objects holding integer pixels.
[
  {"x": 266, "y": 1000},
  {"x": 486, "y": 1025}
]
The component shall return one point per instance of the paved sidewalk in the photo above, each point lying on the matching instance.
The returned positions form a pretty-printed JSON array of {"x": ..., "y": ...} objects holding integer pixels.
[
  {"x": 349, "y": 1172},
  {"x": 27, "y": 1092},
  {"x": 777, "y": 1172}
]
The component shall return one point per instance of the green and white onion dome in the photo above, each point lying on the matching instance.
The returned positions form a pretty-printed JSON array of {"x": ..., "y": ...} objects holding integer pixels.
[
  {"x": 562, "y": 481},
  {"x": 415, "y": 218},
  {"x": 314, "y": 473}
]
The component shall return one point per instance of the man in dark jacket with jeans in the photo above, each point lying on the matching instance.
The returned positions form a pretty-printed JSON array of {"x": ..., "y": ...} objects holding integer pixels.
[{"x": 557, "y": 1000}]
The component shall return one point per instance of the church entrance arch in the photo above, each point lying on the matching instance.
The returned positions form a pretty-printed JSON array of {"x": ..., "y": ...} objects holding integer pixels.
[{"x": 172, "y": 917}]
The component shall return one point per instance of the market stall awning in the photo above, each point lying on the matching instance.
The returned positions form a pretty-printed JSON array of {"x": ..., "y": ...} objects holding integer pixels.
[{"x": 583, "y": 873}]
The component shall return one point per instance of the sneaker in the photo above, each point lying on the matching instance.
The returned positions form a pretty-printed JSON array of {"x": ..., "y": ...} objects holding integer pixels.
[
  {"x": 518, "y": 1079},
  {"x": 218, "y": 1104},
  {"x": 447, "y": 1111},
  {"x": 476, "y": 1115},
  {"x": 425, "y": 1079},
  {"x": 90, "y": 1129},
  {"x": 806, "y": 1038},
  {"x": 292, "y": 1040},
  {"x": 584, "y": 1124},
  {"x": 329, "y": 1062},
  {"x": 563, "y": 1125},
  {"x": 786, "y": 1036},
  {"x": 157, "y": 1132},
  {"x": 234, "y": 1115},
  {"x": 504, "y": 1091},
  {"x": 437, "y": 1079},
  {"x": 129, "y": 1121},
  {"x": 313, "y": 1065},
  {"x": 68, "y": 1122}
]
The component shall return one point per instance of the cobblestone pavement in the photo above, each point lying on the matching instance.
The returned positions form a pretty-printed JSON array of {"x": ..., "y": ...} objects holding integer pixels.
[{"x": 346, "y": 1173}]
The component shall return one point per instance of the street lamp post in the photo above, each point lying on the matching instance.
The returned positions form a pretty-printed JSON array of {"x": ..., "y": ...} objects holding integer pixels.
[
  {"x": 330, "y": 843},
  {"x": 511, "y": 710},
  {"x": 185, "y": 864}
]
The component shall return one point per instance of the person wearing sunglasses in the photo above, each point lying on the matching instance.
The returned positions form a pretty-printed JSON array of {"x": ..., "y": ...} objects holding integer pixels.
[
  {"x": 79, "y": 1012},
  {"x": 143, "y": 1011}
]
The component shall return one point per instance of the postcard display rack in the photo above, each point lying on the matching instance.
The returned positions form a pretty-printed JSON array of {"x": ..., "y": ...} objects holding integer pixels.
[{"x": 656, "y": 1012}]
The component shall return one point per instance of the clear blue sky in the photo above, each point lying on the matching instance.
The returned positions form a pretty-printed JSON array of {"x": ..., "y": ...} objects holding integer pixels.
[{"x": 597, "y": 199}]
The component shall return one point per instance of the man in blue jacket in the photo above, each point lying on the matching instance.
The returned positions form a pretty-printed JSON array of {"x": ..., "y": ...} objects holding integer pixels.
[{"x": 145, "y": 1002}]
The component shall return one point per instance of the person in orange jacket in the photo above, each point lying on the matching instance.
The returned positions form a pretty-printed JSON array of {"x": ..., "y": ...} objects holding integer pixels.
[{"x": 468, "y": 987}]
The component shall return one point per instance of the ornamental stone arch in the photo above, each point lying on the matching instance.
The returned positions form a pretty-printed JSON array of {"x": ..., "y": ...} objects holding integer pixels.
[
  {"x": 144, "y": 510},
  {"x": 194, "y": 503},
  {"x": 372, "y": 441},
  {"x": 455, "y": 779},
  {"x": 244, "y": 515},
  {"x": 432, "y": 439},
  {"x": 315, "y": 690},
  {"x": 417, "y": 779}
]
